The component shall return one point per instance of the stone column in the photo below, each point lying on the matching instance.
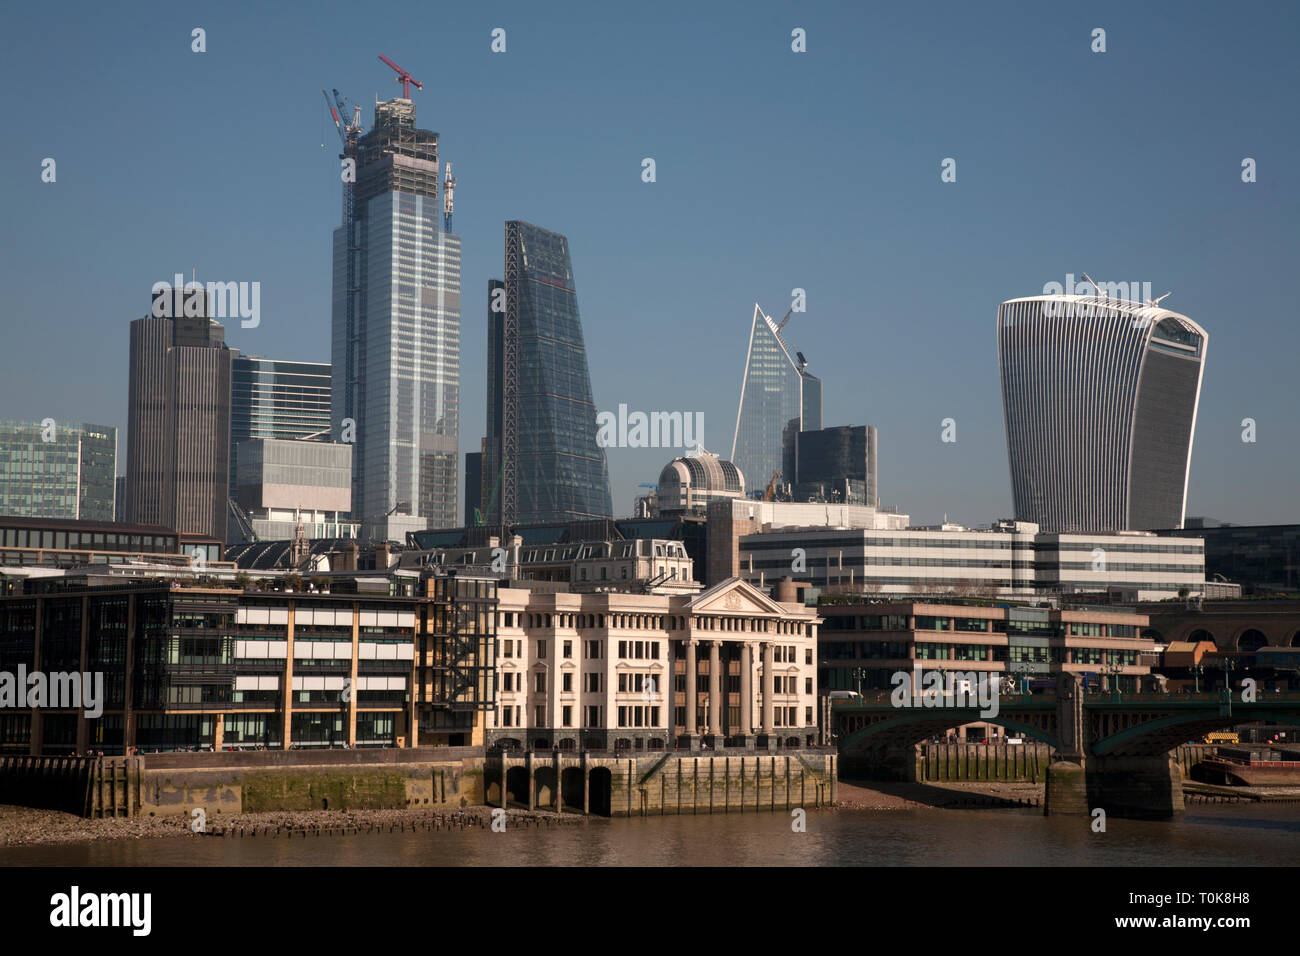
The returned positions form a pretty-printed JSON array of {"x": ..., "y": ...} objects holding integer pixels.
[
  {"x": 769, "y": 687},
  {"x": 715, "y": 688},
  {"x": 692, "y": 699},
  {"x": 747, "y": 690}
]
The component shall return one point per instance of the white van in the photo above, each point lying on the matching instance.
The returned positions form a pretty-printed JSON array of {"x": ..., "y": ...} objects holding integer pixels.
[{"x": 843, "y": 694}]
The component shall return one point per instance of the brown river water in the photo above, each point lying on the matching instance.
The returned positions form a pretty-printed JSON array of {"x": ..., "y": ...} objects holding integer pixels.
[{"x": 1254, "y": 835}]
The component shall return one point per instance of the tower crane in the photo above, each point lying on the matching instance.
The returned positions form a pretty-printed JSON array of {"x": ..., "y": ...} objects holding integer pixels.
[{"x": 404, "y": 78}]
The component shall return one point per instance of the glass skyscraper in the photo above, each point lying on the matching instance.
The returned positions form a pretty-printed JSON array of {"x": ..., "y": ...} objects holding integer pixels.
[
  {"x": 1099, "y": 396},
  {"x": 54, "y": 470},
  {"x": 778, "y": 399},
  {"x": 541, "y": 461},
  {"x": 276, "y": 399},
  {"x": 396, "y": 329}
]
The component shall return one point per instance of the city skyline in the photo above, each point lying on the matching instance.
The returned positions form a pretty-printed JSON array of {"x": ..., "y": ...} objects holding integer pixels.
[{"x": 890, "y": 355}]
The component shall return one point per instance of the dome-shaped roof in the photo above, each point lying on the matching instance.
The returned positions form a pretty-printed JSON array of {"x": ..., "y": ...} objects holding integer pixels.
[{"x": 702, "y": 473}]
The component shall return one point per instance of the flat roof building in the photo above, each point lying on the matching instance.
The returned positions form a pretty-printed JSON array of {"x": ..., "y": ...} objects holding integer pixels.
[{"x": 50, "y": 469}]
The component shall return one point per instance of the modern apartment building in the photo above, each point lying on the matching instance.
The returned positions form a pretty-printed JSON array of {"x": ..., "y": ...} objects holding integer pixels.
[
  {"x": 778, "y": 395},
  {"x": 395, "y": 355},
  {"x": 52, "y": 469},
  {"x": 178, "y": 418},
  {"x": 540, "y": 458},
  {"x": 1099, "y": 397}
]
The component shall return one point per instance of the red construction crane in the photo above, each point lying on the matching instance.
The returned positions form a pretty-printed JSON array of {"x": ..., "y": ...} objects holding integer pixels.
[{"x": 404, "y": 78}]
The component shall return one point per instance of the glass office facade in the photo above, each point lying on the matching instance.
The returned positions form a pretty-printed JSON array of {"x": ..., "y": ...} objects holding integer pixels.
[
  {"x": 275, "y": 399},
  {"x": 561, "y": 473},
  {"x": 396, "y": 327},
  {"x": 55, "y": 470},
  {"x": 777, "y": 399}
]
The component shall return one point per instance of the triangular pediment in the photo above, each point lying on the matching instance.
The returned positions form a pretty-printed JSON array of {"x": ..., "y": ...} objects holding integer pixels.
[{"x": 734, "y": 596}]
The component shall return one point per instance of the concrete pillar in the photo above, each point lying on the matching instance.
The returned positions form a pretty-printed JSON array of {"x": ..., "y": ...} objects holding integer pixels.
[
  {"x": 586, "y": 786},
  {"x": 747, "y": 691},
  {"x": 128, "y": 731},
  {"x": 715, "y": 688},
  {"x": 218, "y": 732},
  {"x": 692, "y": 698},
  {"x": 528, "y": 763},
  {"x": 769, "y": 687}
]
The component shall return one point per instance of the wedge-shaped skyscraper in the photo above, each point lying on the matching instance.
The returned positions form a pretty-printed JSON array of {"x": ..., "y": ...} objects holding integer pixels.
[
  {"x": 778, "y": 399},
  {"x": 1099, "y": 397},
  {"x": 541, "y": 460}
]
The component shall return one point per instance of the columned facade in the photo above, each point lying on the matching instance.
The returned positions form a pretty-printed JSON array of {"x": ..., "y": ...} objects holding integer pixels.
[{"x": 653, "y": 672}]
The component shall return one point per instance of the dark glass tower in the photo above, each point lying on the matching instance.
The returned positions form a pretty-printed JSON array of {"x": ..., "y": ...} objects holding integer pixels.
[{"x": 541, "y": 461}]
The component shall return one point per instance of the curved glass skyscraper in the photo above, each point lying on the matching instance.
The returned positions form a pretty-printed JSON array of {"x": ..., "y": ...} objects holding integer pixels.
[{"x": 1099, "y": 397}]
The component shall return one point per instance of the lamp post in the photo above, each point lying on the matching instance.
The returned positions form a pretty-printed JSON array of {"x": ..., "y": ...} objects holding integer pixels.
[
  {"x": 1114, "y": 669},
  {"x": 859, "y": 674},
  {"x": 1229, "y": 665},
  {"x": 1196, "y": 676}
]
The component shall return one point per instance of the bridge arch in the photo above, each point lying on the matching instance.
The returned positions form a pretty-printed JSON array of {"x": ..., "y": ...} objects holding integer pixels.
[
  {"x": 1163, "y": 734},
  {"x": 1251, "y": 639},
  {"x": 1295, "y": 639},
  {"x": 1201, "y": 634},
  {"x": 915, "y": 727}
]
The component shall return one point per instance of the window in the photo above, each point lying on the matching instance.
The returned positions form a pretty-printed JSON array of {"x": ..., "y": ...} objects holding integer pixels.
[
  {"x": 568, "y": 648},
  {"x": 541, "y": 648},
  {"x": 568, "y": 714},
  {"x": 566, "y": 684},
  {"x": 539, "y": 682},
  {"x": 807, "y": 685},
  {"x": 540, "y": 713}
]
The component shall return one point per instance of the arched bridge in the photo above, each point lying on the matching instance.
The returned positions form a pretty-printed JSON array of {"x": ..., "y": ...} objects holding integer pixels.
[{"x": 1111, "y": 750}]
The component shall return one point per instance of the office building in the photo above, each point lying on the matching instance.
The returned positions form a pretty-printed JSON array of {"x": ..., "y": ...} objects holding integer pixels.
[
  {"x": 1261, "y": 558},
  {"x": 777, "y": 394},
  {"x": 863, "y": 645},
  {"x": 541, "y": 461},
  {"x": 1099, "y": 397},
  {"x": 1009, "y": 559},
  {"x": 286, "y": 484},
  {"x": 52, "y": 469},
  {"x": 474, "y": 488},
  {"x": 731, "y": 521},
  {"x": 178, "y": 418},
  {"x": 395, "y": 355},
  {"x": 726, "y": 667},
  {"x": 272, "y": 398},
  {"x": 341, "y": 665},
  {"x": 836, "y": 464}
]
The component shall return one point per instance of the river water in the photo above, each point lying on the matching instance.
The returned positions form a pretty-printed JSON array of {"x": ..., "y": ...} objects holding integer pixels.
[{"x": 1259, "y": 834}]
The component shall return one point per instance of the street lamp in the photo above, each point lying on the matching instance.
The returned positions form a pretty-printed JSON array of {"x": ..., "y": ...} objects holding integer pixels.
[
  {"x": 859, "y": 674},
  {"x": 1197, "y": 669}
]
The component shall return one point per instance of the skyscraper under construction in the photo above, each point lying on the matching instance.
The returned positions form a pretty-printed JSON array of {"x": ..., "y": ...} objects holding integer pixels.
[{"x": 395, "y": 387}]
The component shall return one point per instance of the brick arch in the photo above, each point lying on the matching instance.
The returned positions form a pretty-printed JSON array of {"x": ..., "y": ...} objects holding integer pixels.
[
  {"x": 1197, "y": 634},
  {"x": 1295, "y": 639},
  {"x": 1249, "y": 638}
]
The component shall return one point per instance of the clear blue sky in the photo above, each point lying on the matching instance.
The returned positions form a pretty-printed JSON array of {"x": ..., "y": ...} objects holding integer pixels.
[{"x": 775, "y": 170}]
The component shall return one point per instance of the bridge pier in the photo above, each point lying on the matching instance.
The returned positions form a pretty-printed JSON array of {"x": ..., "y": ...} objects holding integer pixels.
[
  {"x": 1136, "y": 787},
  {"x": 1066, "y": 791}
]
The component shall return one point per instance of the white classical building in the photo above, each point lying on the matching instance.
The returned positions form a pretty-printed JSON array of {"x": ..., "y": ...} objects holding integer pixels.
[{"x": 726, "y": 667}]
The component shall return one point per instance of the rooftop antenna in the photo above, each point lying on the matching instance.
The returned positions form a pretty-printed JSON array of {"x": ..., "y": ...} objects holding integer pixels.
[{"x": 448, "y": 199}]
